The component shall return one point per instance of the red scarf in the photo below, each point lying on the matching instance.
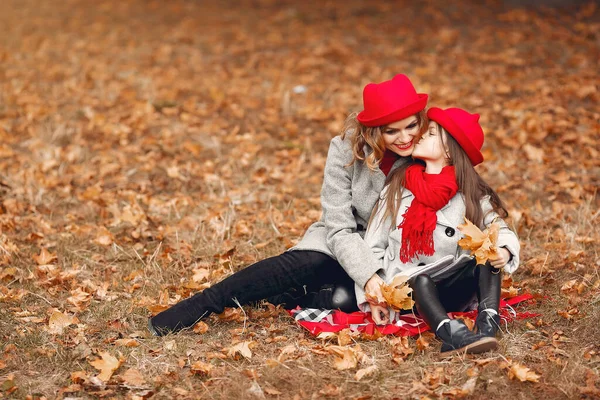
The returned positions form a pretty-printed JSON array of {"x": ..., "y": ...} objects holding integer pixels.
[{"x": 432, "y": 192}]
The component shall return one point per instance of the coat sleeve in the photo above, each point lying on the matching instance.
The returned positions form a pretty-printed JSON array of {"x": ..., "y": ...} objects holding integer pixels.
[
  {"x": 506, "y": 237},
  {"x": 345, "y": 243},
  {"x": 378, "y": 231}
]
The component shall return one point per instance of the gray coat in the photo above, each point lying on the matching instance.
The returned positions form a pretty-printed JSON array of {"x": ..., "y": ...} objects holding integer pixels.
[
  {"x": 448, "y": 256},
  {"x": 348, "y": 196}
]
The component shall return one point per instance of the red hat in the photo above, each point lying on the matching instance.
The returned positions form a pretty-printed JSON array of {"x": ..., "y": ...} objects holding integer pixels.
[
  {"x": 464, "y": 127},
  {"x": 390, "y": 101}
]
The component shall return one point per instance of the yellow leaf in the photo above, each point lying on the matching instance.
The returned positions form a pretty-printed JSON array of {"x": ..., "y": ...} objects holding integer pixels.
[
  {"x": 59, "y": 321},
  {"x": 482, "y": 245},
  {"x": 522, "y": 373},
  {"x": 398, "y": 294},
  {"x": 107, "y": 364}
]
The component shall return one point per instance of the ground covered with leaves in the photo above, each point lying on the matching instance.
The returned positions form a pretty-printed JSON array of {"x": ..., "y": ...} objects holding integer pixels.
[{"x": 151, "y": 148}]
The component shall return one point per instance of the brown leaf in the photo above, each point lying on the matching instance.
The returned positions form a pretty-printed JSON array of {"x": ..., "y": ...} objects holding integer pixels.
[
  {"x": 45, "y": 257},
  {"x": 59, "y": 321},
  {"x": 201, "y": 327},
  {"x": 242, "y": 348},
  {"x": 132, "y": 377},
  {"x": 348, "y": 361},
  {"x": 344, "y": 337},
  {"x": 522, "y": 373},
  {"x": 127, "y": 342},
  {"x": 107, "y": 365},
  {"x": 361, "y": 373},
  {"x": 201, "y": 368}
]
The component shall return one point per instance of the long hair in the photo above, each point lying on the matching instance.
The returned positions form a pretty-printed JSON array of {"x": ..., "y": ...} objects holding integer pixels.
[
  {"x": 361, "y": 136},
  {"x": 472, "y": 186}
]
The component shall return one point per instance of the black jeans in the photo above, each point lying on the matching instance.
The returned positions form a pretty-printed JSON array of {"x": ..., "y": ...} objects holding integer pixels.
[{"x": 299, "y": 269}]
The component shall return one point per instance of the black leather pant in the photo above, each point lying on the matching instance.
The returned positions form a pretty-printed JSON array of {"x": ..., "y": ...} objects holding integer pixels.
[
  {"x": 433, "y": 301},
  {"x": 299, "y": 269}
]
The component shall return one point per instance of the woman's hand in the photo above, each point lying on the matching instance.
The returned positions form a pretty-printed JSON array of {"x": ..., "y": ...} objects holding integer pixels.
[
  {"x": 373, "y": 289},
  {"x": 380, "y": 314},
  {"x": 502, "y": 259}
]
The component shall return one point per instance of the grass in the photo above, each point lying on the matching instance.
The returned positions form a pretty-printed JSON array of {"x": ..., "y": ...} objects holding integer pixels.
[{"x": 180, "y": 140}]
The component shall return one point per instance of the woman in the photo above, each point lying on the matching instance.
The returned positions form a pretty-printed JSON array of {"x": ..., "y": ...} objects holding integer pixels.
[
  {"x": 426, "y": 202},
  {"x": 333, "y": 250}
]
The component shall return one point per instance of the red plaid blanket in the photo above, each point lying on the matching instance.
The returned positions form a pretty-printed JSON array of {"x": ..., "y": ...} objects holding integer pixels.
[{"x": 317, "y": 321}]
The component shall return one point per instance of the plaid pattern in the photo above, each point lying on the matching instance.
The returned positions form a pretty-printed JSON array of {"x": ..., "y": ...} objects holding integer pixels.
[{"x": 318, "y": 320}]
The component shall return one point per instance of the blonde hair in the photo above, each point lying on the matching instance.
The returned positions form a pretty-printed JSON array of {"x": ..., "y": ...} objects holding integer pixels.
[{"x": 372, "y": 136}]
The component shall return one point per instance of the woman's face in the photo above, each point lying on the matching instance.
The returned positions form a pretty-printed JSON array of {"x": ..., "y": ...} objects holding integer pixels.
[
  {"x": 430, "y": 148},
  {"x": 399, "y": 136}
]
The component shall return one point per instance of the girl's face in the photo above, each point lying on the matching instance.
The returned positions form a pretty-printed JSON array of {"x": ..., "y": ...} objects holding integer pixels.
[
  {"x": 399, "y": 136},
  {"x": 431, "y": 148}
]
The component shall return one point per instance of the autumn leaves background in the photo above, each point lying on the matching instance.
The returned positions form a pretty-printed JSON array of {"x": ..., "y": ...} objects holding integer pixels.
[{"x": 151, "y": 148}]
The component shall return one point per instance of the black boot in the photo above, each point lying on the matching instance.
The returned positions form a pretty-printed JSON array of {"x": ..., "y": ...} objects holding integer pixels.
[
  {"x": 488, "y": 294},
  {"x": 487, "y": 324},
  {"x": 457, "y": 337}
]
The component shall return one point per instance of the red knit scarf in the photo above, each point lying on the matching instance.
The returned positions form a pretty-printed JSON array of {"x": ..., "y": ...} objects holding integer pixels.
[{"x": 432, "y": 192}]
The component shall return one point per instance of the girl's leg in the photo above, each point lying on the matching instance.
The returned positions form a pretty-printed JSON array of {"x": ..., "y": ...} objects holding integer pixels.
[
  {"x": 490, "y": 283},
  {"x": 292, "y": 269},
  {"x": 454, "y": 334}
]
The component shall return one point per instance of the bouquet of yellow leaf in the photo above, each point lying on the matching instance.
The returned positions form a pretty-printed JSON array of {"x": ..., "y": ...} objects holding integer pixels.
[
  {"x": 482, "y": 245},
  {"x": 397, "y": 294}
]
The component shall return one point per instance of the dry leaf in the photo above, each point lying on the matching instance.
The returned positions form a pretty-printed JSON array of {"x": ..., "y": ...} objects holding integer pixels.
[
  {"x": 201, "y": 327},
  {"x": 201, "y": 368},
  {"x": 272, "y": 392},
  {"x": 107, "y": 364},
  {"x": 59, "y": 321},
  {"x": 361, "y": 373},
  {"x": 127, "y": 342},
  {"x": 344, "y": 337},
  {"x": 347, "y": 361},
  {"x": 242, "y": 348},
  {"x": 132, "y": 377},
  {"x": 286, "y": 352},
  {"x": 522, "y": 373},
  {"x": 45, "y": 257},
  {"x": 398, "y": 294},
  {"x": 482, "y": 245},
  {"x": 422, "y": 343}
]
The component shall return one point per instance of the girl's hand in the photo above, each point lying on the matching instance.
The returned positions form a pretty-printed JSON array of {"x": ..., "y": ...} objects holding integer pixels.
[
  {"x": 373, "y": 287},
  {"x": 501, "y": 260},
  {"x": 380, "y": 314}
]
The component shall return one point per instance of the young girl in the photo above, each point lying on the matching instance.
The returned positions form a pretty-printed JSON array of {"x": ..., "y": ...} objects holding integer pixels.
[
  {"x": 333, "y": 250},
  {"x": 427, "y": 200}
]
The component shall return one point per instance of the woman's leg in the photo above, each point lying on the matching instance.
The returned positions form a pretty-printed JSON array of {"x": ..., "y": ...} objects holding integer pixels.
[
  {"x": 454, "y": 334},
  {"x": 292, "y": 269}
]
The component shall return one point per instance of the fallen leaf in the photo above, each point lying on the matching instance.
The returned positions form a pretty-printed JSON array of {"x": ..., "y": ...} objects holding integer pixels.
[
  {"x": 344, "y": 337},
  {"x": 286, "y": 352},
  {"x": 272, "y": 392},
  {"x": 132, "y": 377},
  {"x": 127, "y": 342},
  {"x": 348, "y": 361},
  {"x": 422, "y": 343},
  {"x": 522, "y": 373},
  {"x": 201, "y": 327},
  {"x": 59, "y": 321},
  {"x": 201, "y": 368},
  {"x": 107, "y": 365},
  {"x": 45, "y": 257},
  {"x": 242, "y": 348},
  {"x": 361, "y": 373}
]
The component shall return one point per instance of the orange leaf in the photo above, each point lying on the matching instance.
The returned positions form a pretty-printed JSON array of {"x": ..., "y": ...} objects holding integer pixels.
[
  {"x": 59, "y": 321},
  {"x": 107, "y": 364},
  {"x": 45, "y": 257},
  {"x": 398, "y": 294},
  {"x": 522, "y": 373},
  {"x": 482, "y": 245}
]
